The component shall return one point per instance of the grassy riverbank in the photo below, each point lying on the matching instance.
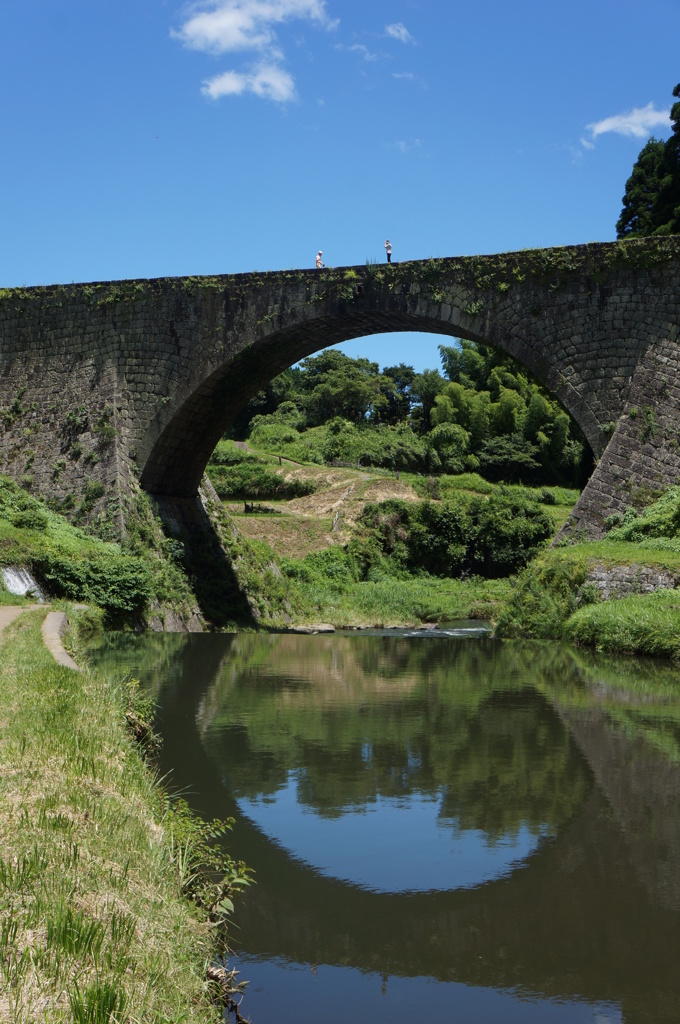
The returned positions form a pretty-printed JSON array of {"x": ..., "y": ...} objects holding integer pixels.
[
  {"x": 93, "y": 918},
  {"x": 358, "y": 548},
  {"x": 556, "y": 597},
  {"x": 402, "y": 602}
]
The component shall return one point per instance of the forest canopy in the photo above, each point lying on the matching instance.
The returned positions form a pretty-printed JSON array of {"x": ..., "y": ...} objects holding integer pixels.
[{"x": 484, "y": 413}]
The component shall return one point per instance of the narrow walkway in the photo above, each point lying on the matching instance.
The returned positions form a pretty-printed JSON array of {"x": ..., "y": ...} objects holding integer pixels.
[{"x": 52, "y": 630}]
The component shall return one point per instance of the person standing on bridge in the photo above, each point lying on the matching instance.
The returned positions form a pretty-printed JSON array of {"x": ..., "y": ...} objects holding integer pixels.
[
  {"x": 388, "y": 250},
  {"x": 319, "y": 261}
]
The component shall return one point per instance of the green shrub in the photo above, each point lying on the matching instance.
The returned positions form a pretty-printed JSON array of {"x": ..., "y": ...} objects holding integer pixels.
[
  {"x": 332, "y": 566},
  {"x": 28, "y": 519},
  {"x": 120, "y": 585},
  {"x": 492, "y": 537},
  {"x": 253, "y": 480},
  {"x": 543, "y": 597},
  {"x": 509, "y": 529}
]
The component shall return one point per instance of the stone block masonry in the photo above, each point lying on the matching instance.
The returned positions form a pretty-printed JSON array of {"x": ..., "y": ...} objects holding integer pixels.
[{"x": 106, "y": 387}]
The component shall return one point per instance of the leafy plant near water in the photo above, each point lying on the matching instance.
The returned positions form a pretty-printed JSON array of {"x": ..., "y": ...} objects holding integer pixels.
[
  {"x": 205, "y": 870},
  {"x": 544, "y": 595}
]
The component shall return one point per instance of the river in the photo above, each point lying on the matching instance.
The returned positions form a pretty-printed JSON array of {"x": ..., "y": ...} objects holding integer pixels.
[{"x": 443, "y": 828}]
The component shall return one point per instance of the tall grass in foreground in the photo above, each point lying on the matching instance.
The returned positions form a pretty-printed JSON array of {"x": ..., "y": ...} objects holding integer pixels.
[{"x": 93, "y": 926}]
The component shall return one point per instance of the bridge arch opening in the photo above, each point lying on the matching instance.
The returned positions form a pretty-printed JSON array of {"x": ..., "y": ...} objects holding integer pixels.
[{"x": 223, "y": 401}]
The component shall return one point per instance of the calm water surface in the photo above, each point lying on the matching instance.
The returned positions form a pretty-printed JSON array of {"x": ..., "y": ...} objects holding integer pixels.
[{"x": 443, "y": 828}]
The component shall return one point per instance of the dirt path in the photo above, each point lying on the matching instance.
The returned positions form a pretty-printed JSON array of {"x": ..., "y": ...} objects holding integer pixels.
[
  {"x": 324, "y": 518},
  {"x": 52, "y": 628},
  {"x": 8, "y": 613}
]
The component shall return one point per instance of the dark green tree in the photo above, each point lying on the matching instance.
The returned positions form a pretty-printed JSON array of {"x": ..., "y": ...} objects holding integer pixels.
[
  {"x": 425, "y": 388},
  {"x": 651, "y": 202},
  {"x": 638, "y": 216},
  {"x": 517, "y": 430},
  {"x": 399, "y": 397}
]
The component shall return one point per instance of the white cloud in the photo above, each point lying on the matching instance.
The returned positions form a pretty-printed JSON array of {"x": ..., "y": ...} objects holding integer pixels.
[
  {"x": 637, "y": 124},
  {"x": 400, "y": 32},
  {"x": 232, "y": 26},
  {"x": 403, "y": 147},
  {"x": 268, "y": 81},
  {"x": 225, "y": 26},
  {"x": 359, "y": 49}
]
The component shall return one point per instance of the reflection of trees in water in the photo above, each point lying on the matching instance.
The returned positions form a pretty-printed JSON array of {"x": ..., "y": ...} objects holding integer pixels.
[
  {"x": 591, "y": 915},
  {"x": 639, "y": 696},
  {"x": 362, "y": 718},
  {"x": 512, "y": 762},
  {"x": 155, "y": 658}
]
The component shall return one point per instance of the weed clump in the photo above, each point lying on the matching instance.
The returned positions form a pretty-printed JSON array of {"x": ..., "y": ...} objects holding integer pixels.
[
  {"x": 660, "y": 519},
  {"x": 543, "y": 597}
]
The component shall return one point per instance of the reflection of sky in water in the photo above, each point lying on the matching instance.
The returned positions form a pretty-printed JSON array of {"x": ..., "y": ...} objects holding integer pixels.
[
  {"x": 298, "y": 993},
  {"x": 395, "y": 844}
]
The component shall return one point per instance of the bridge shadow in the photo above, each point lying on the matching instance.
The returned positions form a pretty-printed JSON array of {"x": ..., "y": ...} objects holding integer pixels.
[{"x": 206, "y": 561}]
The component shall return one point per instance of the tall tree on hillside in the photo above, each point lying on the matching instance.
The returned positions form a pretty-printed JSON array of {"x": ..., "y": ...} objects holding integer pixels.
[
  {"x": 333, "y": 384},
  {"x": 399, "y": 398},
  {"x": 424, "y": 389},
  {"x": 651, "y": 203},
  {"x": 638, "y": 215}
]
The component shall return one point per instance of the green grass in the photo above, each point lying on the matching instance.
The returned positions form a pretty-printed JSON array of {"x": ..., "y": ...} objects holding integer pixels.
[
  {"x": 639, "y": 624},
  {"x": 401, "y": 602},
  {"x": 552, "y": 599},
  {"x": 655, "y": 551},
  {"x": 443, "y": 486},
  {"x": 94, "y": 921},
  {"x": 9, "y": 599}
]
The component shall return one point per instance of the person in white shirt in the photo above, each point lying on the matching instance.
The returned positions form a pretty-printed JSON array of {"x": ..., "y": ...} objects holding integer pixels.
[
  {"x": 319, "y": 263},
  {"x": 388, "y": 250}
]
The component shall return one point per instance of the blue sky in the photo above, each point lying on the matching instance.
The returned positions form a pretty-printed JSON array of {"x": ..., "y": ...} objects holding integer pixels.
[{"x": 147, "y": 138}]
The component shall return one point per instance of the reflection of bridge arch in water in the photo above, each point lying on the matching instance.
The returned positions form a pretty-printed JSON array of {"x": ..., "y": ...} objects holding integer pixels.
[{"x": 558, "y": 927}]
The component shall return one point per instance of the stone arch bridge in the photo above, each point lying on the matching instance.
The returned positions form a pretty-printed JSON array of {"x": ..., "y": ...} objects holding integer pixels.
[{"x": 107, "y": 385}]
